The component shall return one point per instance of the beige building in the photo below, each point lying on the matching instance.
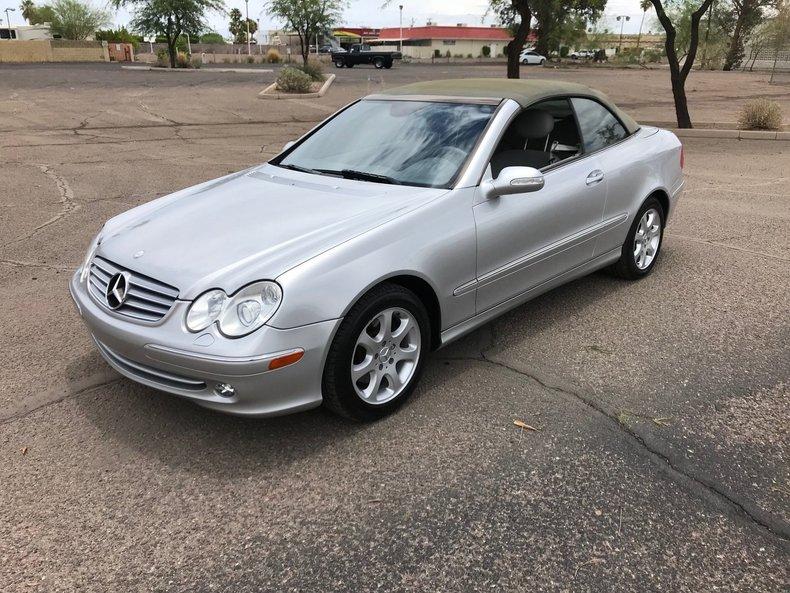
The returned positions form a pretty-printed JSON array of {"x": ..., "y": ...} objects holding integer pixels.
[{"x": 459, "y": 40}]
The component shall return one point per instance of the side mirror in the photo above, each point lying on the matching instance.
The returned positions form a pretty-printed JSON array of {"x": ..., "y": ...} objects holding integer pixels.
[
  {"x": 513, "y": 180},
  {"x": 288, "y": 145}
]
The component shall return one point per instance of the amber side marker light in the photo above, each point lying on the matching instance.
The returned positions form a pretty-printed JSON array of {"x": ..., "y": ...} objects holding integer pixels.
[{"x": 285, "y": 360}]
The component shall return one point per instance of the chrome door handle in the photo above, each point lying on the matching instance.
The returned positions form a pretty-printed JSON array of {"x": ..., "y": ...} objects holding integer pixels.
[{"x": 595, "y": 177}]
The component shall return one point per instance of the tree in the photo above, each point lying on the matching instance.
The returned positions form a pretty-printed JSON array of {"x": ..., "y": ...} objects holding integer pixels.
[
  {"x": 170, "y": 18},
  {"x": 678, "y": 74},
  {"x": 238, "y": 27},
  {"x": 748, "y": 14},
  {"x": 552, "y": 15},
  {"x": 517, "y": 16},
  {"x": 74, "y": 20},
  {"x": 120, "y": 35},
  {"x": 37, "y": 15},
  {"x": 645, "y": 6},
  {"x": 307, "y": 18},
  {"x": 212, "y": 37},
  {"x": 28, "y": 8}
]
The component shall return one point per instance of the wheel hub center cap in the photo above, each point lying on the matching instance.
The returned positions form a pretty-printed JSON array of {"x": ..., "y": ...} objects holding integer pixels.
[{"x": 384, "y": 352}]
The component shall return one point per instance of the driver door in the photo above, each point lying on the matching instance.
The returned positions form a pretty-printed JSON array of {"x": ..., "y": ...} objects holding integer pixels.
[{"x": 527, "y": 239}]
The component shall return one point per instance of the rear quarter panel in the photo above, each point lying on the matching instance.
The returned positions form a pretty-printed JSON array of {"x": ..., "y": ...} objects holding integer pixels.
[{"x": 646, "y": 162}]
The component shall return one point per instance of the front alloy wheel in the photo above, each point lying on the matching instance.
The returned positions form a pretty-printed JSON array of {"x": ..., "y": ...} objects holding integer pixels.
[
  {"x": 385, "y": 356},
  {"x": 377, "y": 354}
]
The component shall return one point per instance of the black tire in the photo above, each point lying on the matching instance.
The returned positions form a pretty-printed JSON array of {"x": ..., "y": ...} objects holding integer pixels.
[
  {"x": 388, "y": 65},
  {"x": 626, "y": 266},
  {"x": 339, "y": 63},
  {"x": 542, "y": 62},
  {"x": 378, "y": 63},
  {"x": 349, "y": 65},
  {"x": 337, "y": 388}
]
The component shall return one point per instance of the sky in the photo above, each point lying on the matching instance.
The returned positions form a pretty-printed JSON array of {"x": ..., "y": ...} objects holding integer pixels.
[{"x": 370, "y": 13}]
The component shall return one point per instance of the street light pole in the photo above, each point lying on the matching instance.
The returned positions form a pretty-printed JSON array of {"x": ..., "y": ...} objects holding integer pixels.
[
  {"x": 247, "y": 18},
  {"x": 8, "y": 19},
  {"x": 400, "y": 37},
  {"x": 622, "y": 18}
]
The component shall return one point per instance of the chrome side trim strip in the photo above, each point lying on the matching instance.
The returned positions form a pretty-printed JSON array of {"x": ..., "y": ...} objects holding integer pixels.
[
  {"x": 464, "y": 327},
  {"x": 541, "y": 254}
]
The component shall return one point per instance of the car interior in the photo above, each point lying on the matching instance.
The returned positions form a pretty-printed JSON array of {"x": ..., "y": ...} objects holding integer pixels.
[{"x": 538, "y": 137}]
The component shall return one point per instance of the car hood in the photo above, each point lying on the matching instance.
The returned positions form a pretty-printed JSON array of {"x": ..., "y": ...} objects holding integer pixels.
[{"x": 253, "y": 225}]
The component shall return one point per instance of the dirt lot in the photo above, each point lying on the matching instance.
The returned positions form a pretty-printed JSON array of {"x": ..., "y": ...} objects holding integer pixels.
[{"x": 662, "y": 459}]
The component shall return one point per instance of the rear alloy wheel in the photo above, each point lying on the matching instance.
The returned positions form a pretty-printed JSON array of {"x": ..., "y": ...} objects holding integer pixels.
[
  {"x": 542, "y": 62},
  {"x": 378, "y": 63},
  {"x": 338, "y": 63},
  {"x": 377, "y": 355},
  {"x": 643, "y": 243}
]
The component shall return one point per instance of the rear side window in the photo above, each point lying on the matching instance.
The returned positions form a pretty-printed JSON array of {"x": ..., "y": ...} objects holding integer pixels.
[{"x": 598, "y": 125}]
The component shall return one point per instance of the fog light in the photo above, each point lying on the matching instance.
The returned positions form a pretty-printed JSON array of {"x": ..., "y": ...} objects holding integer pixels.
[{"x": 225, "y": 390}]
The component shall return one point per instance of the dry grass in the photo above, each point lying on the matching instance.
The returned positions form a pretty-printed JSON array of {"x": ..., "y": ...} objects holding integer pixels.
[{"x": 761, "y": 114}]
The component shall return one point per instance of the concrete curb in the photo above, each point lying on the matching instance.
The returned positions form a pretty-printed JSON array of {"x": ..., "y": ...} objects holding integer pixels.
[
  {"x": 240, "y": 70},
  {"x": 269, "y": 91},
  {"x": 731, "y": 134}
]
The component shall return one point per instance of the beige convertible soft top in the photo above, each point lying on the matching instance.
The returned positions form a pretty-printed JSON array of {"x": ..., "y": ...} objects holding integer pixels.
[{"x": 524, "y": 92}]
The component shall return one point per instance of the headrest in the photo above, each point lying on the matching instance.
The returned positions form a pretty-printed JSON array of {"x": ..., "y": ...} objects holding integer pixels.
[{"x": 534, "y": 123}]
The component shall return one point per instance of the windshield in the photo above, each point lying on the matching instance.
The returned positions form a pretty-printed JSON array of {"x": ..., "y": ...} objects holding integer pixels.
[{"x": 404, "y": 142}]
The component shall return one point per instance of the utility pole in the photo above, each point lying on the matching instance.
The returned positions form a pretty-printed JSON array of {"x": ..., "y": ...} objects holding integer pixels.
[
  {"x": 258, "y": 30},
  {"x": 622, "y": 18},
  {"x": 400, "y": 37},
  {"x": 247, "y": 19},
  {"x": 8, "y": 19}
]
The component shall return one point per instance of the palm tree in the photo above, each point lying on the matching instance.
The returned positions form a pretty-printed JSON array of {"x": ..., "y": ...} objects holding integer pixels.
[
  {"x": 28, "y": 8},
  {"x": 645, "y": 6}
]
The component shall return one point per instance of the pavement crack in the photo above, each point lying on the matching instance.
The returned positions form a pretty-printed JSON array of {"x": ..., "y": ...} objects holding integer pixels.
[
  {"x": 35, "y": 264},
  {"x": 38, "y": 401},
  {"x": 728, "y": 246},
  {"x": 65, "y": 199},
  {"x": 734, "y": 504}
]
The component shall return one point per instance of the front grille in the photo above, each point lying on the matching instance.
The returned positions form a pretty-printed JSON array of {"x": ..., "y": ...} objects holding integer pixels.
[
  {"x": 146, "y": 299},
  {"x": 142, "y": 371}
]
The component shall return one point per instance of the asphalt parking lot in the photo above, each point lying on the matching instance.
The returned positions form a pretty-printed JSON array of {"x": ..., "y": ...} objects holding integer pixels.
[{"x": 661, "y": 459}]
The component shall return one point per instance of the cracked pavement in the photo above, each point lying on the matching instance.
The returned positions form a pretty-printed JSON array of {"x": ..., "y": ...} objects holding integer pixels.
[{"x": 661, "y": 456}]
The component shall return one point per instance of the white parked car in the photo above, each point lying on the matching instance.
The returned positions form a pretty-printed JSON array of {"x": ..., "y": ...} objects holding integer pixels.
[{"x": 530, "y": 56}]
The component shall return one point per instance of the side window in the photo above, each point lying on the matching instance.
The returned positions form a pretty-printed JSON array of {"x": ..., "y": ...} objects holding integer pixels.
[
  {"x": 598, "y": 126},
  {"x": 540, "y": 136}
]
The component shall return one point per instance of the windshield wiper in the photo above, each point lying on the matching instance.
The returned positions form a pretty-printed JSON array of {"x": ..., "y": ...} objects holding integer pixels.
[
  {"x": 365, "y": 176},
  {"x": 298, "y": 168}
]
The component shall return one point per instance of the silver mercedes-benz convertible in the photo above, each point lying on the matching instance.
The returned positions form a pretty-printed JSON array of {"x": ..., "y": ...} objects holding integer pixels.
[{"x": 399, "y": 224}]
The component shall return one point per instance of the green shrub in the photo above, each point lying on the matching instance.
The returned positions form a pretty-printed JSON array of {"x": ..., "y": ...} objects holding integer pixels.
[
  {"x": 761, "y": 114},
  {"x": 293, "y": 80},
  {"x": 195, "y": 62},
  {"x": 437, "y": 53},
  {"x": 651, "y": 56},
  {"x": 564, "y": 51},
  {"x": 182, "y": 60},
  {"x": 273, "y": 56},
  {"x": 469, "y": 56},
  {"x": 314, "y": 70},
  {"x": 162, "y": 58},
  {"x": 486, "y": 50},
  {"x": 250, "y": 59},
  {"x": 447, "y": 54}
]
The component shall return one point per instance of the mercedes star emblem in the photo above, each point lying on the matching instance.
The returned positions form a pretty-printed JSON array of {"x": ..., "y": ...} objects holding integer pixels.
[{"x": 117, "y": 289}]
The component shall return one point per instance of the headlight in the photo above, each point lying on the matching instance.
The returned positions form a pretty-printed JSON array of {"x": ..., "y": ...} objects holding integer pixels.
[
  {"x": 238, "y": 315},
  {"x": 86, "y": 265},
  {"x": 205, "y": 310}
]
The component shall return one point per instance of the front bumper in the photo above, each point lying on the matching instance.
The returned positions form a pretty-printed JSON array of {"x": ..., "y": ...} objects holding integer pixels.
[{"x": 167, "y": 356}]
